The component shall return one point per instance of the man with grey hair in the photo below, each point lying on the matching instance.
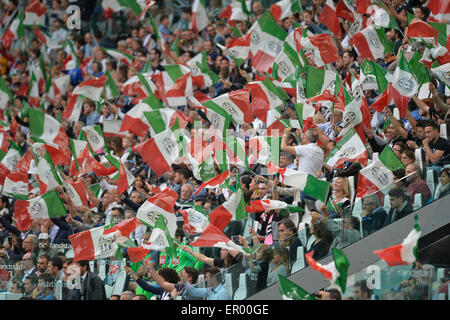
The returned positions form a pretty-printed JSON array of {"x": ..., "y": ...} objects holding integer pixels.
[
  {"x": 372, "y": 214},
  {"x": 185, "y": 201},
  {"x": 330, "y": 128},
  {"x": 138, "y": 234},
  {"x": 127, "y": 295}
]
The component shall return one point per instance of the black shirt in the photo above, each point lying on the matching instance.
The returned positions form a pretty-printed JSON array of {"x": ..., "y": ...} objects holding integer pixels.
[{"x": 442, "y": 145}]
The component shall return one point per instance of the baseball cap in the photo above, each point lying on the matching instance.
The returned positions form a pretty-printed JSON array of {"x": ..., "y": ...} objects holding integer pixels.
[{"x": 43, "y": 236}]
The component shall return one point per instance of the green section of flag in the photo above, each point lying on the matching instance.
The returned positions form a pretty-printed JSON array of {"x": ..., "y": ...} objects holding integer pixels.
[
  {"x": 390, "y": 159},
  {"x": 342, "y": 264},
  {"x": 289, "y": 290}
]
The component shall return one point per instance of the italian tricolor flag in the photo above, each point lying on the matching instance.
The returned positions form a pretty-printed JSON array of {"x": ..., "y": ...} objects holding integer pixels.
[
  {"x": 349, "y": 148},
  {"x": 330, "y": 19},
  {"x": 371, "y": 43},
  {"x": 378, "y": 175},
  {"x": 48, "y": 205},
  {"x": 111, "y": 6},
  {"x": 235, "y": 104},
  {"x": 266, "y": 42},
  {"x": 80, "y": 151},
  {"x": 16, "y": 183},
  {"x": 124, "y": 178},
  {"x": 195, "y": 219},
  {"x": 120, "y": 56},
  {"x": 268, "y": 205},
  {"x": 372, "y": 76},
  {"x": 35, "y": 13},
  {"x": 46, "y": 39},
  {"x": 265, "y": 96},
  {"x": 162, "y": 119},
  {"x": 15, "y": 31},
  {"x": 5, "y": 94},
  {"x": 442, "y": 73},
  {"x": 312, "y": 186},
  {"x": 404, "y": 253},
  {"x": 111, "y": 90},
  {"x": 76, "y": 192},
  {"x": 93, "y": 244},
  {"x": 10, "y": 158},
  {"x": 420, "y": 30},
  {"x": 318, "y": 80},
  {"x": 213, "y": 237},
  {"x": 291, "y": 291},
  {"x": 162, "y": 150},
  {"x": 124, "y": 228},
  {"x": 95, "y": 138},
  {"x": 236, "y": 10},
  {"x": 323, "y": 48},
  {"x": 264, "y": 149},
  {"x": 174, "y": 84},
  {"x": 289, "y": 58},
  {"x": 214, "y": 182},
  {"x": 238, "y": 49},
  {"x": 202, "y": 76},
  {"x": 285, "y": 8},
  {"x": 74, "y": 107},
  {"x": 199, "y": 15},
  {"x": 44, "y": 126},
  {"x": 335, "y": 271},
  {"x": 160, "y": 204},
  {"x": 135, "y": 121},
  {"x": 232, "y": 209},
  {"x": 91, "y": 88},
  {"x": 47, "y": 175}
]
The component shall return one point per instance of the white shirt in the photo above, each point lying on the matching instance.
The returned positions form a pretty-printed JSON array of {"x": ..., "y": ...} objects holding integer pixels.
[{"x": 310, "y": 158}]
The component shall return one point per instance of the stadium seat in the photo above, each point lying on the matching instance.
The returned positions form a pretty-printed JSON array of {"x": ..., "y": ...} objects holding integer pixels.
[
  {"x": 417, "y": 201},
  {"x": 439, "y": 274},
  {"x": 443, "y": 131},
  {"x": 375, "y": 156},
  {"x": 441, "y": 296},
  {"x": 352, "y": 183},
  {"x": 241, "y": 292},
  {"x": 248, "y": 224},
  {"x": 108, "y": 290},
  {"x": 294, "y": 218},
  {"x": 431, "y": 180},
  {"x": 310, "y": 242},
  {"x": 119, "y": 285},
  {"x": 9, "y": 296},
  {"x": 357, "y": 207},
  {"x": 387, "y": 204},
  {"x": 229, "y": 283},
  {"x": 299, "y": 264},
  {"x": 302, "y": 236},
  {"x": 58, "y": 290},
  {"x": 201, "y": 281},
  {"x": 102, "y": 268},
  {"x": 419, "y": 158}
]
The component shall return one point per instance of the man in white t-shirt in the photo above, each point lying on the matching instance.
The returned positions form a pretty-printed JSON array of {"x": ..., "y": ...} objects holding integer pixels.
[{"x": 310, "y": 155}]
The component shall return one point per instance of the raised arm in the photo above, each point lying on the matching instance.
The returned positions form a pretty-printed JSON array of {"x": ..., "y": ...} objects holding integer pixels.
[{"x": 197, "y": 255}]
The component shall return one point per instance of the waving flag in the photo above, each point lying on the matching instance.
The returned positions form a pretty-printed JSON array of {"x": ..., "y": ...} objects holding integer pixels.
[
  {"x": 372, "y": 43},
  {"x": 76, "y": 192},
  {"x": 162, "y": 150},
  {"x": 15, "y": 31},
  {"x": 95, "y": 138},
  {"x": 236, "y": 10},
  {"x": 285, "y": 8},
  {"x": 318, "y": 80},
  {"x": 323, "y": 48},
  {"x": 238, "y": 49},
  {"x": 265, "y": 96},
  {"x": 5, "y": 94},
  {"x": 49, "y": 205},
  {"x": 404, "y": 253},
  {"x": 111, "y": 6},
  {"x": 120, "y": 56},
  {"x": 202, "y": 76},
  {"x": 213, "y": 237},
  {"x": 378, "y": 175},
  {"x": 35, "y": 13},
  {"x": 45, "y": 127},
  {"x": 290, "y": 291},
  {"x": 267, "y": 205},
  {"x": 160, "y": 204},
  {"x": 330, "y": 19},
  {"x": 91, "y": 88},
  {"x": 195, "y": 219},
  {"x": 236, "y": 105},
  {"x": 214, "y": 182},
  {"x": 11, "y": 158},
  {"x": 266, "y": 42},
  {"x": 162, "y": 119},
  {"x": 16, "y": 183},
  {"x": 46, "y": 39},
  {"x": 335, "y": 271},
  {"x": 199, "y": 15},
  {"x": 289, "y": 58},
  {"x": 92, "y": 244},
  {"x": 349, "y": 148}
]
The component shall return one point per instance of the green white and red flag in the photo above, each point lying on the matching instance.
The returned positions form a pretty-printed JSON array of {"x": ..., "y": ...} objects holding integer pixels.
[
  {"x": 371, "y": 43},
  {"x": 285, "y": 8},
  {"x": 91, "y": 88},
  {"x": 404, "y": 253},
  {"x": 268, "y": 205},
  {"x": 199, "y": 15},
  {"x": 329, "y": 18},
  {"x": 76, "y": 192},
  {"x": 48, "y": 205},
  {"x": 35, "y": 14},
  {"x": 135, "y": 120},
  {"x": 323, "y": 48},
  {"x": 214, "y": 182},
  {"x": 349, "y": 148},
  {"x": 214, "y": 237},
  {"x": 335, "y": 271},
  {"x": 92, "y": 244},
  {"x": 16, "y": 183},
  {"x": 266, "y": 42},
  {"x": 161, "y": 204},
  {"x": 15, "y": 31},
  {"x": 236, "y": 105},
  {"x": 195, "y": 219},
  {"x": 162, "y": 150},
  {"x": 378, "y": 175}
]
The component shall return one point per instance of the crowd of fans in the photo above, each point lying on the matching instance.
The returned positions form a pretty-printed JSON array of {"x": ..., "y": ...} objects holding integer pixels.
[{"x": 38, "y": 255}]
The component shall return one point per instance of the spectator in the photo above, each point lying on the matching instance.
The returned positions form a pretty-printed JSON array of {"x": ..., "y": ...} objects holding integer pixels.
[
  {"x": 372, "y": 215},
  {"x": 44, "y": 290},
  {"x": 416, "y": 183},
  {"x": 215, "y": 290},
  {"x": 279, "y": 265},
  {"x": 29, "y": 285},
  {"x": 400, "y": 206},
  {"x": 435, "y": 147},
  {"x": 42, "y": 263},
  {"x": 92, "y": 287},
  {"x": 55, "y": 268},
  {"x": 29, "y": 265},
  {"x": 361, "y": 291},
  {"x": 443, "y": 187},
  {"x": 44, "y": 245}
]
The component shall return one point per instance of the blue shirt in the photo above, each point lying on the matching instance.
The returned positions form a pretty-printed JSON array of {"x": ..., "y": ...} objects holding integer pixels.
[
  {"x": 92, "y": 118},
  {"x": 219, "y": 293}
]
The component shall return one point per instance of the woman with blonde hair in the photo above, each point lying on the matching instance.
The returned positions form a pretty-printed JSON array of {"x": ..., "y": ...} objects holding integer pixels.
[{"x": 340, "y": 197}]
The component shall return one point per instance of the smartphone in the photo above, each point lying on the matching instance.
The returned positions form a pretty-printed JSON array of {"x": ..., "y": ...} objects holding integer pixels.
[{"x": 235, "y": 239}]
